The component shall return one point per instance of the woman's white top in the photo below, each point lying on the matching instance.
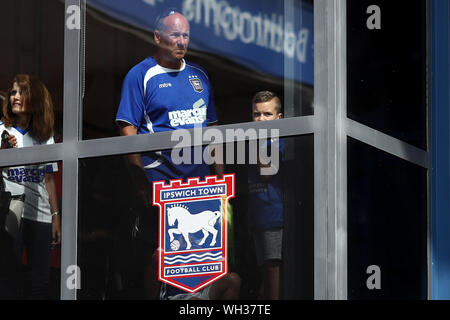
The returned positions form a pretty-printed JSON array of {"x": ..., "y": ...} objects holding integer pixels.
[{"x": 29, "y": 179}]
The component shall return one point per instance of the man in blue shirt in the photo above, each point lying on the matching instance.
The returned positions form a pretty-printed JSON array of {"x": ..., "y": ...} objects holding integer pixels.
[{"x": 164, "y": 93}]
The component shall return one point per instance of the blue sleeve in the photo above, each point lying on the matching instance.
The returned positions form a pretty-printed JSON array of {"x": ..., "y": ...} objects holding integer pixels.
[
  {"x": 51, "y": 167},
  {"x": 131, "y": 108},
  {"x": 281, "y": 146}
]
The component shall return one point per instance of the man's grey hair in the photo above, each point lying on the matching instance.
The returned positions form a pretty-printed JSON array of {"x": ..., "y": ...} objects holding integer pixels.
[{"x": 159, "y": 21}]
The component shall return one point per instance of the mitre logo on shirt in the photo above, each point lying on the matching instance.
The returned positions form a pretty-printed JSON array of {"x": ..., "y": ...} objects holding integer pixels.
[
  {"x": 196, "y": 83},
  {"x": 165, "y": 85},
  {"x": 189, "y": 116}
]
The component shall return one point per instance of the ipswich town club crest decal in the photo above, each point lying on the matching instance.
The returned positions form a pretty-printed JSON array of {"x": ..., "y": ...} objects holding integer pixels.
[{"x": 193, "y": 230}]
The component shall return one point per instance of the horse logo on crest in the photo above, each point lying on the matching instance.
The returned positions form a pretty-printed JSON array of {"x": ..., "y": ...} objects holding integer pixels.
[
  {"x": 193, "y": 230},
  {"x": 190, "y": 223}
]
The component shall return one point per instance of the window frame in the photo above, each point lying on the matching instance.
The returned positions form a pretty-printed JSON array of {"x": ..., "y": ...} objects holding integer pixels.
[{"x": 329, "y": 126}]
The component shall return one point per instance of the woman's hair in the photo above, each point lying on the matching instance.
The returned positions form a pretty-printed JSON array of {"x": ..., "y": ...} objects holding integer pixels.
[
  {"x": 38, "y": 100},
  {"x": 2, "y": 99}
]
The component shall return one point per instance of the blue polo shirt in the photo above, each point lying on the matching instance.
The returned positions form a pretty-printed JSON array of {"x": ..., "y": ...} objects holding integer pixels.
[{"x": 156, "y": 99}]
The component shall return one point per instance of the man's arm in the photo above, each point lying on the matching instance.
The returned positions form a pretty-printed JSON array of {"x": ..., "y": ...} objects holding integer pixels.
[
  {"x": 139, "y": 177},
  {"x": 127, "y": 129}
]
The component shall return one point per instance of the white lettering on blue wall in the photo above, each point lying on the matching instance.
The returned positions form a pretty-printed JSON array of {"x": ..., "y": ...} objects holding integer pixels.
[{"x": 266, "y": 31}]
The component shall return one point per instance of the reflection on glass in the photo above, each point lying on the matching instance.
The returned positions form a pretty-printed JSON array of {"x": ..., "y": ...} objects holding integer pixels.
[
  {"x": 387, "y": 226},
  {"x": 30, "y": 231},
  {"x": 387, "y": 76},
  {"x": 244, "y": 47},
  {"x": 118, "y": 226},
  {"x": 34, "y": 32}
]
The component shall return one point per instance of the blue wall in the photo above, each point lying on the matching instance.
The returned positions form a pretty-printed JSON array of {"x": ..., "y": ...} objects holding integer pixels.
[
  {"x": 440, "y": 148},
  {"x": 250, "y": 32}
]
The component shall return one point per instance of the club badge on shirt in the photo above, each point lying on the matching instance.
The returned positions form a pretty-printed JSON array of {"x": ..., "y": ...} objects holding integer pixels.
[
  {"x": 193, "y": 230},
  {"x": 196, "y": 83}
]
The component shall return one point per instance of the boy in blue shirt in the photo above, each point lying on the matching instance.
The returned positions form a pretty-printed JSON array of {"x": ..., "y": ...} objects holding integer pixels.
[{"x": 266, "y": 200}]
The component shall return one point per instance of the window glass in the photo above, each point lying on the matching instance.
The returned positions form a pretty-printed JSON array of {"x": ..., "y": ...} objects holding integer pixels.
[
  {"x": 244, "y": 47},
  {"x": 30, "y": 231},
  {"x": 387, "y": 225},
  {"x": 117, "y": 228},
  {"x": 31, "y": 72},
  {"x": 33, "y": 36},
  {"x": 387, "y": 63}
]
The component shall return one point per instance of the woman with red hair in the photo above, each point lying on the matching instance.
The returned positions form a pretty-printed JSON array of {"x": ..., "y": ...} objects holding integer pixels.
[{"x": 28, "y": 120}]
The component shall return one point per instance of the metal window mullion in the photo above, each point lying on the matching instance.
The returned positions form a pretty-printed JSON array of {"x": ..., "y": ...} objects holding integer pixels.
[
  {"x": 387, "y": 143},
  {"x": 164, "y": 140},
  {"x": 336, "y": 110},
  {"x": 71, "y": 114},
  {"x": 341, "y": 136},
  {"x": 330, "y": 228},
  {"x": 320, "y": 150},
  {"x": 31, "y": 155}
]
